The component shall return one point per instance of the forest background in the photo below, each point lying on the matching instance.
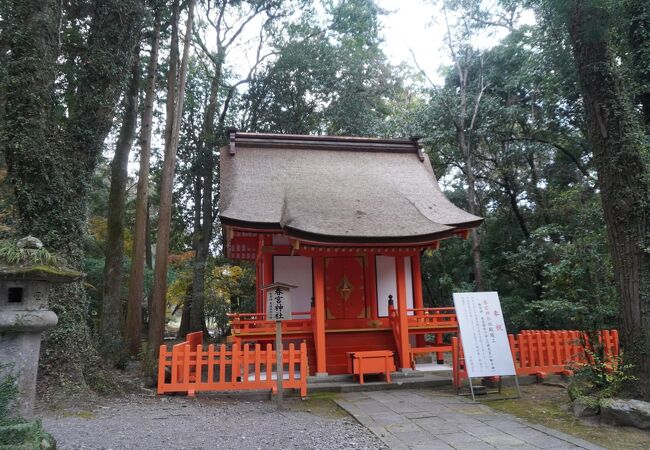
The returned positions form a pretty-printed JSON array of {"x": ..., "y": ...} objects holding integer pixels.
[{"x": 540, "y": 126}]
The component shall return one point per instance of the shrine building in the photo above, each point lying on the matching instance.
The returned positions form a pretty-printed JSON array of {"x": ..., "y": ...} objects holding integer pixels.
[{"x": 345, "y": 220}]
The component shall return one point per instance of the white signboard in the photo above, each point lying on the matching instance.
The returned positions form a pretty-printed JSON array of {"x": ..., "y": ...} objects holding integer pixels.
[
  {"x": 278, "y": 303},
  {"x": 483, "y": 334}
]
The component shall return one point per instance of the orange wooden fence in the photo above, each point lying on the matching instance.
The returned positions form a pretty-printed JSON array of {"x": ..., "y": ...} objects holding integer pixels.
[
  {"x": 544, "y": 352},
  {"x": 193, "y": 369}
]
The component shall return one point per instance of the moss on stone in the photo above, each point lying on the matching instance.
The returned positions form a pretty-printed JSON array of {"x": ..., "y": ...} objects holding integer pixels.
[{"x": 40, "y": 272}]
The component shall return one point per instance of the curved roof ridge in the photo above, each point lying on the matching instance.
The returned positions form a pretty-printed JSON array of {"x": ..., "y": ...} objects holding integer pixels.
[
  {"x": 365, "y": 195},
  {"x": 314, "y": 142}
]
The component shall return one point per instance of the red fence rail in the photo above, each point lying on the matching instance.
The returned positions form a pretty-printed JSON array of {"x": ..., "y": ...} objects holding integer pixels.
[
  {"x": 256, "y": 324},
  {"x": 541, "y": 353},
  {"x": 432, "y": 318},
  {"x": 193, "y": 369}
]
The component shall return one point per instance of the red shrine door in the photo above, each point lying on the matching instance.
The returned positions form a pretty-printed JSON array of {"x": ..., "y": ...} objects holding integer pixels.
[{"x": 345, "y": 291}]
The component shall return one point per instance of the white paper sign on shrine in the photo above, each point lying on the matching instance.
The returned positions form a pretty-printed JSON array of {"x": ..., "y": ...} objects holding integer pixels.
[
  {"x": 278, "y": 301},
  {"x": 483, "y": 334}
]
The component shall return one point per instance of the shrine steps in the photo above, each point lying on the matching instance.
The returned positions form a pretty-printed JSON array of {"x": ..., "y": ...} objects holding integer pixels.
[{"x": 409, "y": 380}]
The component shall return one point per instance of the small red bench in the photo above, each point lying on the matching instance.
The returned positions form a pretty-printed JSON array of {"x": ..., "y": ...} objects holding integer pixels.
[{"x": 377, "y": 361}]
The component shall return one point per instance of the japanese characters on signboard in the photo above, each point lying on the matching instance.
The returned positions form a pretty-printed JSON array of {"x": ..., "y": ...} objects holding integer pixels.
[
  {"x": 278, "y": 302},
  {"x": 483, "y": 334}
]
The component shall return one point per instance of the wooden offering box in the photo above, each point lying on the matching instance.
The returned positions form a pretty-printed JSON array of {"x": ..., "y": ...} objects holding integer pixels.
[{"x": 378, "y": 361}]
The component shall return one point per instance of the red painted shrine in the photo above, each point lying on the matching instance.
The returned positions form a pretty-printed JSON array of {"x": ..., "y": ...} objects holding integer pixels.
[{"x": 345, "y": 220}]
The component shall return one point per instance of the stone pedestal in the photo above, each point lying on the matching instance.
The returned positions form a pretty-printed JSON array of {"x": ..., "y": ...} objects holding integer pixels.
[{"x": 24, "y": 317}]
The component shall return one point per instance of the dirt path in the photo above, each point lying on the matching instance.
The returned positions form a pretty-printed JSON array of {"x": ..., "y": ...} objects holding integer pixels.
[{"x": 148, "y": 422}]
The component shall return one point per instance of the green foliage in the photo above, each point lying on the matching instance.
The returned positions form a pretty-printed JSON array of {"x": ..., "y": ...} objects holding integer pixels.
[
  {"x": 446, "y": 271},
  {"x": 328, "y": 78},
  {"x": 14, "y": 256},
  {"x": 600, "y": 377},
  {"x": 229, "y": 288}
]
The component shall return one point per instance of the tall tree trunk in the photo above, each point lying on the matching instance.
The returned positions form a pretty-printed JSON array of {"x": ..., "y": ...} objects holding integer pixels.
[
  {"x": 184, "y": 326},
  {"x": 50, "y": 165},
  {"x": 623, "y": 174},
  {"x": 148, "y": 254},
  {"x": 112, "y": 314},
  {"x": 206, "y": 172},
  {"x": 157, "y": 313},
  {"x": 136, "y": 285},
  {"x": 472, "y": 196}
]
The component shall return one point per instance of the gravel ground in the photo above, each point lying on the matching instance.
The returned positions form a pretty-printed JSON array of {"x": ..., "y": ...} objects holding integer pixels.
[{"x": 207, "y": 422}]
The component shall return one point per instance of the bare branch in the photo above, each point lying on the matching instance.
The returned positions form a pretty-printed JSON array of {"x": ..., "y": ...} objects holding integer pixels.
[
  {"x": 253, "y": 13},
  {"x": 437, "y": 91},
  {"x": 477, "y": 103}
]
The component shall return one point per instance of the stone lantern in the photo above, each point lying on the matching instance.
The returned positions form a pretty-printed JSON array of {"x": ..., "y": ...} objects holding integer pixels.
[{"x": 24, "y": 291}]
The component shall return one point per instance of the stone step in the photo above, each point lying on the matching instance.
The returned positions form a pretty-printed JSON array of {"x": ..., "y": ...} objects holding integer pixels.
[{"x": 377, "y": 383}]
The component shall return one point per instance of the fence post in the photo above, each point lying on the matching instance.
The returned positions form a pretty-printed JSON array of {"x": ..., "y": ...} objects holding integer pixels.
[
  {"x": 198, "y": 359},
  {"x": 257, "y": 362},
  {"x": 234, "y": 363},
  {"x": 186, "y": 368},
  {"x": 269, "y": 363},
  {"x": 292, "y": 362},
  {"x": 162, "y": 358},
  {"x": 513, "y": 350},
  {"x": 454, "y": 361},
  {"x": 211, "y": 363},
  {"x": 304, "y": 370},
  {"x": 245, "y": 364}
]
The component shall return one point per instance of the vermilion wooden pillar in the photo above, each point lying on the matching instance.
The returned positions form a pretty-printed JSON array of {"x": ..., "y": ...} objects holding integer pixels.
[
  {"x": 418, "y": 301},
  {"x": 259, "y": 277},
  {"x": 371, "y": 285},
  {"x": 318, "y": 322},
  {"x": 267, "y": 267},
  {"x": 259, "y": 303},
  {"x": 401, "y": 309}
]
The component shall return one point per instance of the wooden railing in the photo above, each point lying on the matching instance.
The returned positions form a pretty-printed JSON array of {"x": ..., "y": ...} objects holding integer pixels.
[
  {"x": 542, "y": 352},
  {"x": 393, "y": 320},
  {"x": 432, "y": 318},
  {"x": 256, "y": 324},
  {"x": 190, "y": 370},
  {"x": 425, "y": 321}
]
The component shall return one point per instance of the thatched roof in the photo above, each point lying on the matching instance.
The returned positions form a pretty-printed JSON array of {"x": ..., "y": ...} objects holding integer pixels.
[{"x": 335, "y": 189}]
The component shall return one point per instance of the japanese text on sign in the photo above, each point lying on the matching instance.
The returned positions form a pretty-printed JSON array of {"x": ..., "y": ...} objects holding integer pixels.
[
  {"x": 278, "y": 306},
  {"x": 483, "y": 334}
]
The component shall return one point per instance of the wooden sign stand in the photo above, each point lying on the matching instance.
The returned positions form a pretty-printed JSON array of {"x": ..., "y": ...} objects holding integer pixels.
[
  {"x": 498, "y": 391},
  {"x": 279, "y": 365},
  {"x": 278, "y": 309}
]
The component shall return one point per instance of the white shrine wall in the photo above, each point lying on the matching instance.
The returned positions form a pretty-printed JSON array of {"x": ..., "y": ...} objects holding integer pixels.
[
  {"x": 387, "y": 283},
  {"x": 297, "y": 271}
]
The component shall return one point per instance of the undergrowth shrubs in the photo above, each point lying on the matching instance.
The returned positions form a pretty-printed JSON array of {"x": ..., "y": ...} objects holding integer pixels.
[{"x": 600, "y": 377}]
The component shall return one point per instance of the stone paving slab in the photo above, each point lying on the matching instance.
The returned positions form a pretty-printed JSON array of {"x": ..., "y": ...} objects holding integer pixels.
[{"x": 424, "y": 419}]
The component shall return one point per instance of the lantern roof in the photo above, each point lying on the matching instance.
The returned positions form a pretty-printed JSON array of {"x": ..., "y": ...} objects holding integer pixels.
[{"x": 335, "y": 189}]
